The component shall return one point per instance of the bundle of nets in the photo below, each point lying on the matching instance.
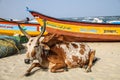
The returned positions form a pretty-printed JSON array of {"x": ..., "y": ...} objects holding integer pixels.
[{"x": 8, "y": 46}]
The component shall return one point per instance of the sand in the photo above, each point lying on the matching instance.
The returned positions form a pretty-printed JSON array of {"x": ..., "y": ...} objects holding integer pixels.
[{"x": 106, "y": 68}]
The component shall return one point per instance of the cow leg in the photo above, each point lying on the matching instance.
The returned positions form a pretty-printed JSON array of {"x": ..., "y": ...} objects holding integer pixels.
[
  {"x": 31, "y": 67},
  {"x": 58, "y": 68},
  {"x": 91, "y": 58}
]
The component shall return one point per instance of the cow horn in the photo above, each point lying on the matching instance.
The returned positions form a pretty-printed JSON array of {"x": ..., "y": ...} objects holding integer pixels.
[
  {"x": 25, "y": 33},
  {"x": 43, "y": 29}
]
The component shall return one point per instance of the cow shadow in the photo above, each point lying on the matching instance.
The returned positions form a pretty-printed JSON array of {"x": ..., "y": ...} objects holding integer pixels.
[
  {"x": 96, "y": 60},
  {"x": 33, "y": 72}
]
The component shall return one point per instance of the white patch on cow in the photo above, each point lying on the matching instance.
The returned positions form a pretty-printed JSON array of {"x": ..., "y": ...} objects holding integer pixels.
[
  {"x": 38, "y": 54},
  {"x": 71, "y": 51},
  {"x": 30, "y": 45}
]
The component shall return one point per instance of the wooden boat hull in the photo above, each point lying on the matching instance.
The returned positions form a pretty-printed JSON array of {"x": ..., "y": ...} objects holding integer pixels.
[
  {"x": 79, "y": 31},
  {"x": 11, "y": 28}
]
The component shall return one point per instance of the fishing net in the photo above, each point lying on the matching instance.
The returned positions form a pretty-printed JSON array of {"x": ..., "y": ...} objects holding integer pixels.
[{"x": 9, "y": 46}]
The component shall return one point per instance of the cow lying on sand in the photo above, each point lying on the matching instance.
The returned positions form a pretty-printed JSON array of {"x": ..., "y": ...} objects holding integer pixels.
[{"x": 55, "y": 54}]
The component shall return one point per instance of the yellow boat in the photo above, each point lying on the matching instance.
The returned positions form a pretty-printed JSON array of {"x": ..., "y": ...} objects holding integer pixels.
[
  {"x": 11, "y": 28},
  {"x": 79, "y": 31}
]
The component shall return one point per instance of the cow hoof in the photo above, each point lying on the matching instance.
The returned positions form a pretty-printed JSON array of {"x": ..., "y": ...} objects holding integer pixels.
[
  {"x": 53, "y": 71},
  {"x": 85, "y": 67},
  {"x": 81, "y": 66},
  {"x": 65, "y": 69},
  {"x": 88, "y": 70},
  {"x": 27, "y": 74}
]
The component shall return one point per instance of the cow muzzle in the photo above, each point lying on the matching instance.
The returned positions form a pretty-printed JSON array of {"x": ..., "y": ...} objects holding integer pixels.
[{"x": 27, "y": 61}]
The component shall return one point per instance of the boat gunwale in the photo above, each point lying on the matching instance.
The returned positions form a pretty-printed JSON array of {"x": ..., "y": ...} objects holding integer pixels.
[
  {"x": 16, "y": 23},
  {"x": 88, "y": 24}
]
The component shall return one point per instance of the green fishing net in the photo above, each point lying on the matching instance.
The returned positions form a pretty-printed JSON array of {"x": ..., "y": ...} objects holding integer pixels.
[{"x": 9, "y": 46}]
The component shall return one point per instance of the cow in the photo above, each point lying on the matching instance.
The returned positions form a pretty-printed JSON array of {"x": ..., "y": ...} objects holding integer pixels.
[{"x": 55, "y": 54}]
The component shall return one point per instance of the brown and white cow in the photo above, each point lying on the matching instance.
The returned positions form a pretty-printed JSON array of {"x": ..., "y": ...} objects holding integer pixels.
[{"x": 57, "y": 55}]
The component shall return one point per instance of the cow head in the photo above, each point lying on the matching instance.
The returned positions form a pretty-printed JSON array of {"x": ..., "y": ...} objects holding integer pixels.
[{"x": 34, "y": 46}]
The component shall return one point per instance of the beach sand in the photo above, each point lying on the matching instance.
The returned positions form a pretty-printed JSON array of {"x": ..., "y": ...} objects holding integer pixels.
[{"x": 106, "y": 68}]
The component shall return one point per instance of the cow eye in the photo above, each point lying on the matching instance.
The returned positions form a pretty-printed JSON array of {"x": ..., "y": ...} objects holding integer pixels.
[
  {"x": 35, "y": 46},
  {"x": 31, "y": 40},
  {"x": 29, "y": 44}
]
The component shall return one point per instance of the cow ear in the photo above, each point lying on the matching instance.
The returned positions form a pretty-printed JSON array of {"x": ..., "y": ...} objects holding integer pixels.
[
  {"x": 45, "y": 47},
  {"x": 47, "y": 38}
]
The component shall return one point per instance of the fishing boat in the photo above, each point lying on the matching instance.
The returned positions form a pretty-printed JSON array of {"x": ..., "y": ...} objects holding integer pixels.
[
  {"x": 11, "y": 28},
  {"x": 79, "y": 31}
]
